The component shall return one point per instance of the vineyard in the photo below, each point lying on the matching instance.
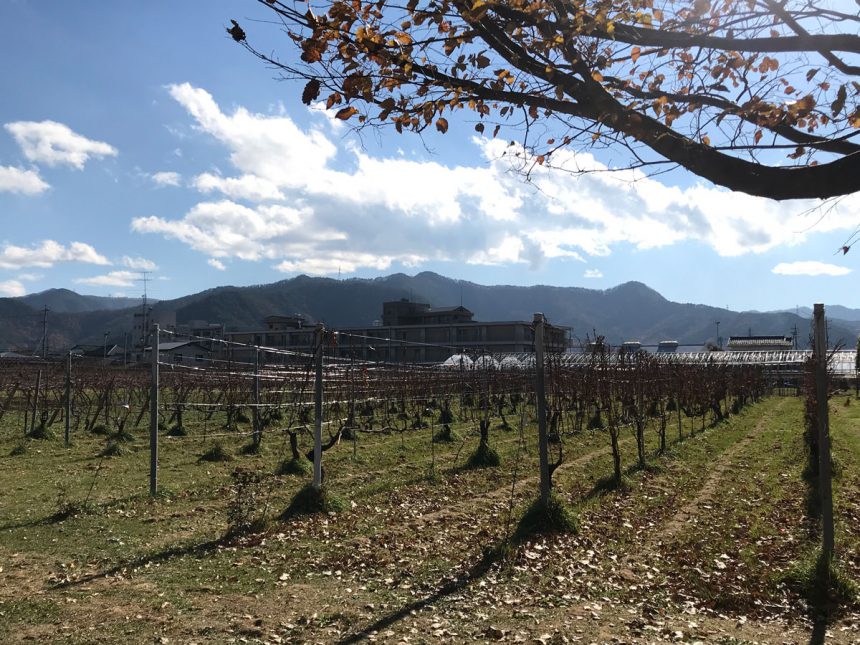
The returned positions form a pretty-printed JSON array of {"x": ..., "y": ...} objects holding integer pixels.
[{"x": 689, "y": 511}]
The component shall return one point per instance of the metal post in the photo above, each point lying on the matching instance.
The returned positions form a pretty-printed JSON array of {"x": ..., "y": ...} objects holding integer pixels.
[
  {"x": 318, "y": 414},
  {"x": 153, "y": 416},
  {"x": 543, "y": 444},
  {"x": 68, "y": 428},
  {"x": 822, "y": 413},
  {"x": 256, "y": 414}
]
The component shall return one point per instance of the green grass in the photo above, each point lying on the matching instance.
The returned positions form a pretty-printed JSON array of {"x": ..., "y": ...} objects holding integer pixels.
[{"x": 395, "y": 525}]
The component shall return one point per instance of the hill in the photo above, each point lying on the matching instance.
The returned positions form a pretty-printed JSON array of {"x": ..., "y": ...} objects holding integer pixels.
[
  {"x": 628, "y": 311},
  {"x": 67, "y": 301}
]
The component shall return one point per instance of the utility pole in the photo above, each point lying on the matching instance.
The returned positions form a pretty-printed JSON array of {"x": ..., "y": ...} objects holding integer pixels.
[{"x": 45, "y": 332}]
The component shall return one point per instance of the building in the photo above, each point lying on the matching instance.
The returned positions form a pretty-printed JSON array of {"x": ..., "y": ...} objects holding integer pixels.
[
  {"x": 411, "y": 332},
  {"x": 667, "y": 347},
  {"x": 184, "y": 352},
  {"x": 403, "y": 312},
  {"x": 759, "y": 343}
]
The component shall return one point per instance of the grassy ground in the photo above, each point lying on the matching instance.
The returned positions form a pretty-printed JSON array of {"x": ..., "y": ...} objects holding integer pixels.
[{"x": 704, "y": 544}]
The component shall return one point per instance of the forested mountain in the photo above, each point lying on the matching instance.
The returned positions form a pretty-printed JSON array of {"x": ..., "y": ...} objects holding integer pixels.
[
  {"x": 628, "y": 311},
  {"x": 67, "y": 301}
]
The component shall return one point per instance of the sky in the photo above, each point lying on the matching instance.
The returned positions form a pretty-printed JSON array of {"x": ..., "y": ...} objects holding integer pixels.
[{"x": 138, "y": 140}]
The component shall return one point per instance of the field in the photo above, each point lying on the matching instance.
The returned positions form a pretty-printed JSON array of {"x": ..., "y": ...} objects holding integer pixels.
[{"x": 709, "y": 540}]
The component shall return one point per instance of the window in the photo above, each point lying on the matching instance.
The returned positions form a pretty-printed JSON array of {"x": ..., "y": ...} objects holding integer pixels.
[
  {"x": 177, "y": 357},
  {"x": 198, "y": 358}
]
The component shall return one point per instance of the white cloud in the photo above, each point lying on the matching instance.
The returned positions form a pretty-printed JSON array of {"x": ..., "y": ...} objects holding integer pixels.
[
  {"x": 111, "y": 279},
  {"x": 592, "y": 273},
  {"x": 12, "y": 289},
  {"x": 247, "y": 187},
  {"x": 25, "y": 182},
  {"x": 53, "y": 143},
  {"x": 141, "y": 264},
  {"x": 811, "y": 267},
  {"x": 218, "y": 264},
  {"x": 301, "y": 201},
  {"x": 47, "y": 254},
  {"x": 30, "y": 277},
  {"x": 167, "y": 178}
]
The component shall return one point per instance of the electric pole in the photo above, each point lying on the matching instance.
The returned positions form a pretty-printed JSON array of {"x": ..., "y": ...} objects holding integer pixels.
[{"x": 45, "y": 332}]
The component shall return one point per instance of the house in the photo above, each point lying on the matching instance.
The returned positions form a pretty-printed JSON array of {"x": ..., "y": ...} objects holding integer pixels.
[
  {"x": 184, "y": 352},
  {"x": 103, "y": 351}
]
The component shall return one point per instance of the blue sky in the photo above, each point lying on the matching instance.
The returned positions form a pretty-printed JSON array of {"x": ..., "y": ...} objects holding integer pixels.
[{"x": 146, "y": 140}]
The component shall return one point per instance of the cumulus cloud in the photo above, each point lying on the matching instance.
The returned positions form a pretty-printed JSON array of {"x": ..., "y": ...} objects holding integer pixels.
[
  {"x": 110, "y": 279},
  {"x": 52, "y": 143},
  {"x": 12, "y": 289},
  {"x": 25, "y": 182},
  {"x": 218, "y": 264},
  {"x": 810, "y": 267},
  {"x": 166, "y": 178},
  {"x": 30, "y": 277},
  {"x": 248, "y": 187},
  {"x": 47, "y": 254},
  {"x": 141, "y": 264},
  {"x": 592, "y": 273},
  {"x": 306, "y": 204}
]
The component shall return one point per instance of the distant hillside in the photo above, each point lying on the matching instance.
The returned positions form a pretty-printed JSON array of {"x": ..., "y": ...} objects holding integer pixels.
[
  {"x": 833, "y": 311},
  {"x": 630, "y": 311},
  {"x": 66, "y": 301}
]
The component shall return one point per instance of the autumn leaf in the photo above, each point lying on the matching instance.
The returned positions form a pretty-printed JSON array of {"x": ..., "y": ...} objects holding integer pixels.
[
  {"x": 311, "y": 91},
  {"x": 479, "y": 127},
  {"x": 442, "y": 125},
  {"x": 837, "y": 105},
  {"x": 344, "y": 113}
]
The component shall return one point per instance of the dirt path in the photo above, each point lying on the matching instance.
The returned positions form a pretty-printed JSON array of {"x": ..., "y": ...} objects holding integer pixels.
[{"x": 705, "y": 495}]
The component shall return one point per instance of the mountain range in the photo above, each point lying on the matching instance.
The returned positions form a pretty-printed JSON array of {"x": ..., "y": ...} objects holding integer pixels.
[{"x": 628, "y": 311}]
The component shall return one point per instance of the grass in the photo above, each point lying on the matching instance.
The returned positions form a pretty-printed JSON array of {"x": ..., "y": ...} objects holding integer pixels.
[
  {"x": 299, "y": 467},
  {"x": 216, "y": 453},
  {"x": 546, "y": 518},
  {"x": 310, "y": 500},
  {"x": 400, "y": 540}
]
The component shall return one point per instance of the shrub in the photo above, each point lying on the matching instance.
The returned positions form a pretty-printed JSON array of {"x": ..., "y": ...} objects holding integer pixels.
[
  {"x": 551, "y": 517},
  {"x": 20, "y": 449},
  {"x": 310, "y": 500},
  {"x": 251, "y": 448},
  {"x": 114, "y": 449},
  {"x": 246, "y": 509},
  {"x": 41, "y": 432},
  {"x": 177, "y": 431},
  {"x": 216, "y": 453},
  {"x": 483, "y": 457},
  {"x": 295, "y": 466},
  {"x": 446, "y": 435}
]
